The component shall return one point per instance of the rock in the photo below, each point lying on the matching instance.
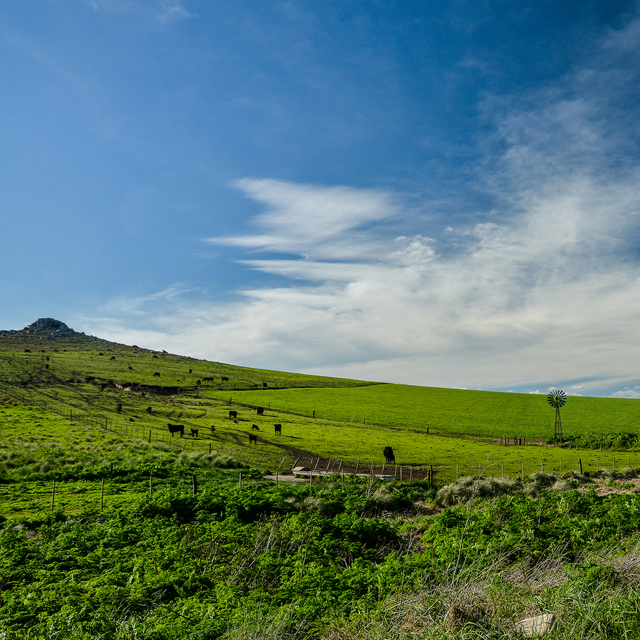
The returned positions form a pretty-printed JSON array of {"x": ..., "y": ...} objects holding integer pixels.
[{"x": 536, "y": 626}]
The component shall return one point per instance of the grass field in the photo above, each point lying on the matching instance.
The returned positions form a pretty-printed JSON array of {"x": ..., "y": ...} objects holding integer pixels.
[
  {"x": 488, "y": 413},
  {"x": 353, "y": 421}
]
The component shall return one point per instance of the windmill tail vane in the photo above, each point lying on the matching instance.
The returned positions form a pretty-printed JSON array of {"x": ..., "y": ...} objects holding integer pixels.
[{"x": 557, "y": 399}]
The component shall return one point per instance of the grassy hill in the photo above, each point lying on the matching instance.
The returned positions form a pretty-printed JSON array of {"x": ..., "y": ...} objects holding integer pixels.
[
  {"x": 111, "y": 528},
  {"x": 323, "y": 418}
]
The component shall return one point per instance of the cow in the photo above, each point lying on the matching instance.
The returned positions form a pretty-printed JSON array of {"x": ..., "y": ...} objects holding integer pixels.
[
  {"x": 190, "y": 371},
  {"x": 118, "y": 408},
  {"x": 213, "y": 429},
  {"x": 149, "y": 410},
  {"x": 253, "y": 439},
  {"x": 27, "y": 350},
  {"x": 112, "y": 358},
  {"x": 278, "y": 429},
  {"x": 101, "y": 354},
  {"x": 225, "y": 379},
  {"x": 264, "y": 385},
  {"x": 194, "y": 433},
  {"x": 198, "y": 383},
  {"x": 130, "y": 368},
  {"x": 207, "y": 379},
  {"x": 255, "y": 427},
  {"x": 233, "y": 414},
  {"x": 389, "y": 456},
  {"x": 156, "y": 374},
  {"x": 260, "y": 411},
  {"x": 176, "y": 428},
  {"x": 47, "y": 358}
]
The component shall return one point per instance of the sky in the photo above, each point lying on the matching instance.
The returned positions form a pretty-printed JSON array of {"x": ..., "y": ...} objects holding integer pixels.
[{"x": 431, "y": 193}]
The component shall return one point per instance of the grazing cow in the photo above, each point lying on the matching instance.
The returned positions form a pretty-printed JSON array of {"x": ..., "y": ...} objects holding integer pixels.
[
  {"x": 260, "y": 411},
  {"x": 233, "y": 414},
  {"x": 278, "y": 429},
  {"x": 112, "y": 358},
  {"x": 213, "y": 429},
  {"x": 225, "y": 379},
  {"x": 101, "y": 354},
  {"x": 207, "y": 379},
  {"x": 255, "y": 427},
  {"x": 190, "y": 371},
  {"x": 149, "y": 410},
  {"x": 156, "y": 374},
  {"x": 176, "y": 428},
  {"x": 199, "y": 382},
  {"x": 264, "y": 384},
  {"x": 194, "y": 433},
  {"x": 27, "y": 350},
  {"x": 253, "y": 439},
  {"x": 130, "y": 368},
  {"x": 389, "y": 456},
  {"x": 118, "y": 408}
]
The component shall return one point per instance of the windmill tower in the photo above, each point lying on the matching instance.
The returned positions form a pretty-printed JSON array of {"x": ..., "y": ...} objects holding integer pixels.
[{"x": 557, "y": 399}]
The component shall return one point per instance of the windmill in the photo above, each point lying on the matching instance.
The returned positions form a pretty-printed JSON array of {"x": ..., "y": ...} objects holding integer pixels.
[{"x": 557, "y": 399}]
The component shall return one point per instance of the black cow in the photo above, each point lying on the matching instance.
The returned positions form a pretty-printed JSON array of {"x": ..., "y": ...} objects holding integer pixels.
[
  {"x": 260, "y": 411},
  {"x": 253, "y": 439},
  {"x": 190, "y": 371},
  {"x": 389, "y": 456},
  {"x": 278, "y": 429},
  {"x": 255, "y": 427},
  {"x": 264, "y": 384},
  {"x": 207, "y": 379},
  {"x": 176, "y": 428},
  {"x": 233, "y": 414},
  {"x": 112, "y": 358},
  {"x": 27, "y": 350},
  {"x": 194, "y": 433},
  {"x": 156, "y": 374},
  {"x": 225, "y": 379}
]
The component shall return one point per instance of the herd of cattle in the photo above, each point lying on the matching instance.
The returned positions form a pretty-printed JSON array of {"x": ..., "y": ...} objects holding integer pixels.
[
  {"x": 388, "y": 453},
  {"x": 233, "y": 415}
]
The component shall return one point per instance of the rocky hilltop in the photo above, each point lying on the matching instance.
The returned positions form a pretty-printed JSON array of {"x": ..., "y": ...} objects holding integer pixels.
[{"x": 47, "y": 329}]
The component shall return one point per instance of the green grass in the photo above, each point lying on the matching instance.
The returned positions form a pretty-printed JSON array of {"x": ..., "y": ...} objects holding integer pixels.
[
  {"x": 488, "y": 413},
  {"x": 353, "y": 421}
]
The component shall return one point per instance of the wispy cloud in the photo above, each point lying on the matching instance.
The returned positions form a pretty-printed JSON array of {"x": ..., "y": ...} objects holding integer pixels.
[
  {"x": 546, "y": 290},
  {"x": 162, "y": 11}
]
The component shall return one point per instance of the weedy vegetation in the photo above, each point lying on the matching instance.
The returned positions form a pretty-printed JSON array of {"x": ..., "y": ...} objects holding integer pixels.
[{"x": 128, "y": 546}]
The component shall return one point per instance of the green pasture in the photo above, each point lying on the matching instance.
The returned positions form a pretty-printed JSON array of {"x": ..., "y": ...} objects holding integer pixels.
[
  {"x": 490, "y": 414},
  {"x": 34, "y": 441}
]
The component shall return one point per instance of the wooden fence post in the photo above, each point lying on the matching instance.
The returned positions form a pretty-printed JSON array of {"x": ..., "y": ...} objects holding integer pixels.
[
  {"x": 580, "y": 464},
  {"x": 195, "y": 483}
]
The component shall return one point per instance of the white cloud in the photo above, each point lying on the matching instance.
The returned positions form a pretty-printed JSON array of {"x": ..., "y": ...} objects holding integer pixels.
[
  {"x": 631, "y": 393},
  {"x": 546, "y": 289}
]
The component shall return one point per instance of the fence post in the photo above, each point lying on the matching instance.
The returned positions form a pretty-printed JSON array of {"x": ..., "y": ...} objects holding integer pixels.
[
  {"x": 195, "y": 483},
  {"x": 580, "y": 464}
]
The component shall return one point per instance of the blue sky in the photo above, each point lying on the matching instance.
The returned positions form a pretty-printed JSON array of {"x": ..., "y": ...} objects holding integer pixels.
[{"x": 441, "y": 193}]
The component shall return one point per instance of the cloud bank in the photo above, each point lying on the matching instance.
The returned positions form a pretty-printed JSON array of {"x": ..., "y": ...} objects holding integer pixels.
[{"x": 544, "y": 291}]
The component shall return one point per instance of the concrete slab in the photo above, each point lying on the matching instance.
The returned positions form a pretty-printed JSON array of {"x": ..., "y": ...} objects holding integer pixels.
[{"x": 536, "y": 626}]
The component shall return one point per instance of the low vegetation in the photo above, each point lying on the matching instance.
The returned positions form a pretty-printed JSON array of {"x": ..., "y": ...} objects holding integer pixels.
[{"x": 147, "y": 535}]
